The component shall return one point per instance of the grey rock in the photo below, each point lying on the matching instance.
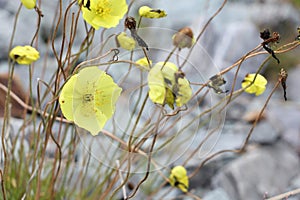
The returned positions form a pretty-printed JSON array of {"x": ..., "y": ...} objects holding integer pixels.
[
  {"x": 264, "y": 133},
  {"x": 202, "y": 180},
  {"x": 266, "y": 130},
  {"x": 286, "y": 116},
  {"x": 217, "y": 193},
  {"x": 265, "y": 169},
  {"x": 293, "y": 83},
  {"x": 235, "y": 31},
  {"x": 295, "y": 183}
]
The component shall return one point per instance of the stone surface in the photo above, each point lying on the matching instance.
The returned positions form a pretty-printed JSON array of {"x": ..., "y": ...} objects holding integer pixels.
[
  {"x": 293, "y": 83},
  {"x": 216, "y": 194},
  {"x": 230, "y": 35},
  {"x": 264, "y": 133},
  {"x": 265, "y": 169},
  {"x": 286, "y": 116}
]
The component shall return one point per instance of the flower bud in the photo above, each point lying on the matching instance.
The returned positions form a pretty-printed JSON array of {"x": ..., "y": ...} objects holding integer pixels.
[
  {"x": 24, "y": 55},
  {"x": 29, "y": 4},
  {"x": 125, "y": 42},
  {"x": 148, "y": 12}
]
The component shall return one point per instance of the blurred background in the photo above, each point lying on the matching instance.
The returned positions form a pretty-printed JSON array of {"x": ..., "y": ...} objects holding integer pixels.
[{"x": 271, "y": 164}]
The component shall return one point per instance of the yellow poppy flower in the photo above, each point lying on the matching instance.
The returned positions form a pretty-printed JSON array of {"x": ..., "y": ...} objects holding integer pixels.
[
  {"x": 166, "y": 88},
  {"x": 157, "y": 86},
  {"x": 29, "y": 4},
  {"x": 148, "y": 12},
  {"x": 126, "y": 42},
  {"x": 103, "y": 13},
  {"x": 24, "y": 55},
  {"x": 178, "y": 178},
  {"x": 258, "y": 86},
  {"x": 143, "y": 63},
  {"x": 88, "y": 98}
]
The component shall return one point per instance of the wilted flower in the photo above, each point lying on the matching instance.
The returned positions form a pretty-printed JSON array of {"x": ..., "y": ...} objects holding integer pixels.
[
  {"x": 24, "y": 55},
  {"x": 215, "y": 82},
  {"x": 165, "y": 87},
  {"x": 130, "y": 23},
  {"x": 148, "y": 12},
  {"x": 103, "y": 13},
  {"x": 88, "y": 98},
  {"x": 125, "y": 41},
  {"x": 184, "y": 38},
  {"x": 29, "y": 4},
  {"x": 143, "y": 62},
  {"x": 178, "y": 178},
  {"x": 257, "y": 87}
]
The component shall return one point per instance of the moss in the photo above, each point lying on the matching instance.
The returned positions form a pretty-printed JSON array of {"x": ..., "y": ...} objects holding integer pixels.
[{"x": 296, "y": 3}]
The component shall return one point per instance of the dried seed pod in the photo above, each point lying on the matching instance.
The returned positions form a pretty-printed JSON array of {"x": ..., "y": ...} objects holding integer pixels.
[
  {"x": 266, "y": 36},
  {"x": 183, "y": 38},
  {"x": 282, "y": 78},
  {"x": 215, "y": 82},
  {"x": 130, "y": 23}
]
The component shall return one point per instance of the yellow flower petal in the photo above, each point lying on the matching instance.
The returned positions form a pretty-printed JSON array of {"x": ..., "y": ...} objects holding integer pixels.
[
  {"x": 168, "y": 71},
  {"x": 126, "y": 42},
  {"x": 106, "y": 95},
  {"x": 165, "y": 89},
  {"x": 157, "y": 90},
  {"x": 143, "y": 63},
  {"x": 29, "y": 4},
  {"x": 118, "y": 7},
  {"x": 258, "y": 87},
  {"x": 89, "y": 118},
  {"x": 159, "y": 80},
  {"x": 148, "y": 12},
  {"x": 170, "y": 97},
  {"x": 66, "y": 98},
  {"x": 24, "y": 55},
  {"x": 184, "y": 93},
  {"x": 103, "y": 13},
  {"x": 88, "y": 98},
  {"x": 178, "y": 178}
]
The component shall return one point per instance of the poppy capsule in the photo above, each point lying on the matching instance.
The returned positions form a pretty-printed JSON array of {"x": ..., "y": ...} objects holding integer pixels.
[{"x": 183, "y": 38}]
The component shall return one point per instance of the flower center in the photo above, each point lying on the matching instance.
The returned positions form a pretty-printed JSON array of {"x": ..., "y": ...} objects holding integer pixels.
[
  {"x": 103, "y": 8},
  {"x": 88, "y": 98}
]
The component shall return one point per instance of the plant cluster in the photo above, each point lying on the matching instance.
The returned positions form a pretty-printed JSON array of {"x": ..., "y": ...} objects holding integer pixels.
[{"x": 86, "y": 92}]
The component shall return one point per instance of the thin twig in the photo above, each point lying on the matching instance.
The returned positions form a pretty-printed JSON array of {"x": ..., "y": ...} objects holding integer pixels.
[
  {"x": 285, "y": 195},
  {"x": 122, "y": 179},
  {"x": 202, "y": 31},
  {"x": 2, "y": 186}
]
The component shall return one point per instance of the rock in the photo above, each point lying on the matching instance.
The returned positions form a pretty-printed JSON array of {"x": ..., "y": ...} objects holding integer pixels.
[
  {"x": 17, "y": 89},
  {"x": 235, "y": 31},
  {"x": 202, "y": 180},
  {"x": 293, "y": 83},
  {"x": 286, "y": 116},
  {"x": 218, "y": 194},
  {"x": 251, "y": 116},
  {"x": 262, "y": 170},
  {"x": 295, "y": 183},
  {"x": 264, "y": 133}
]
